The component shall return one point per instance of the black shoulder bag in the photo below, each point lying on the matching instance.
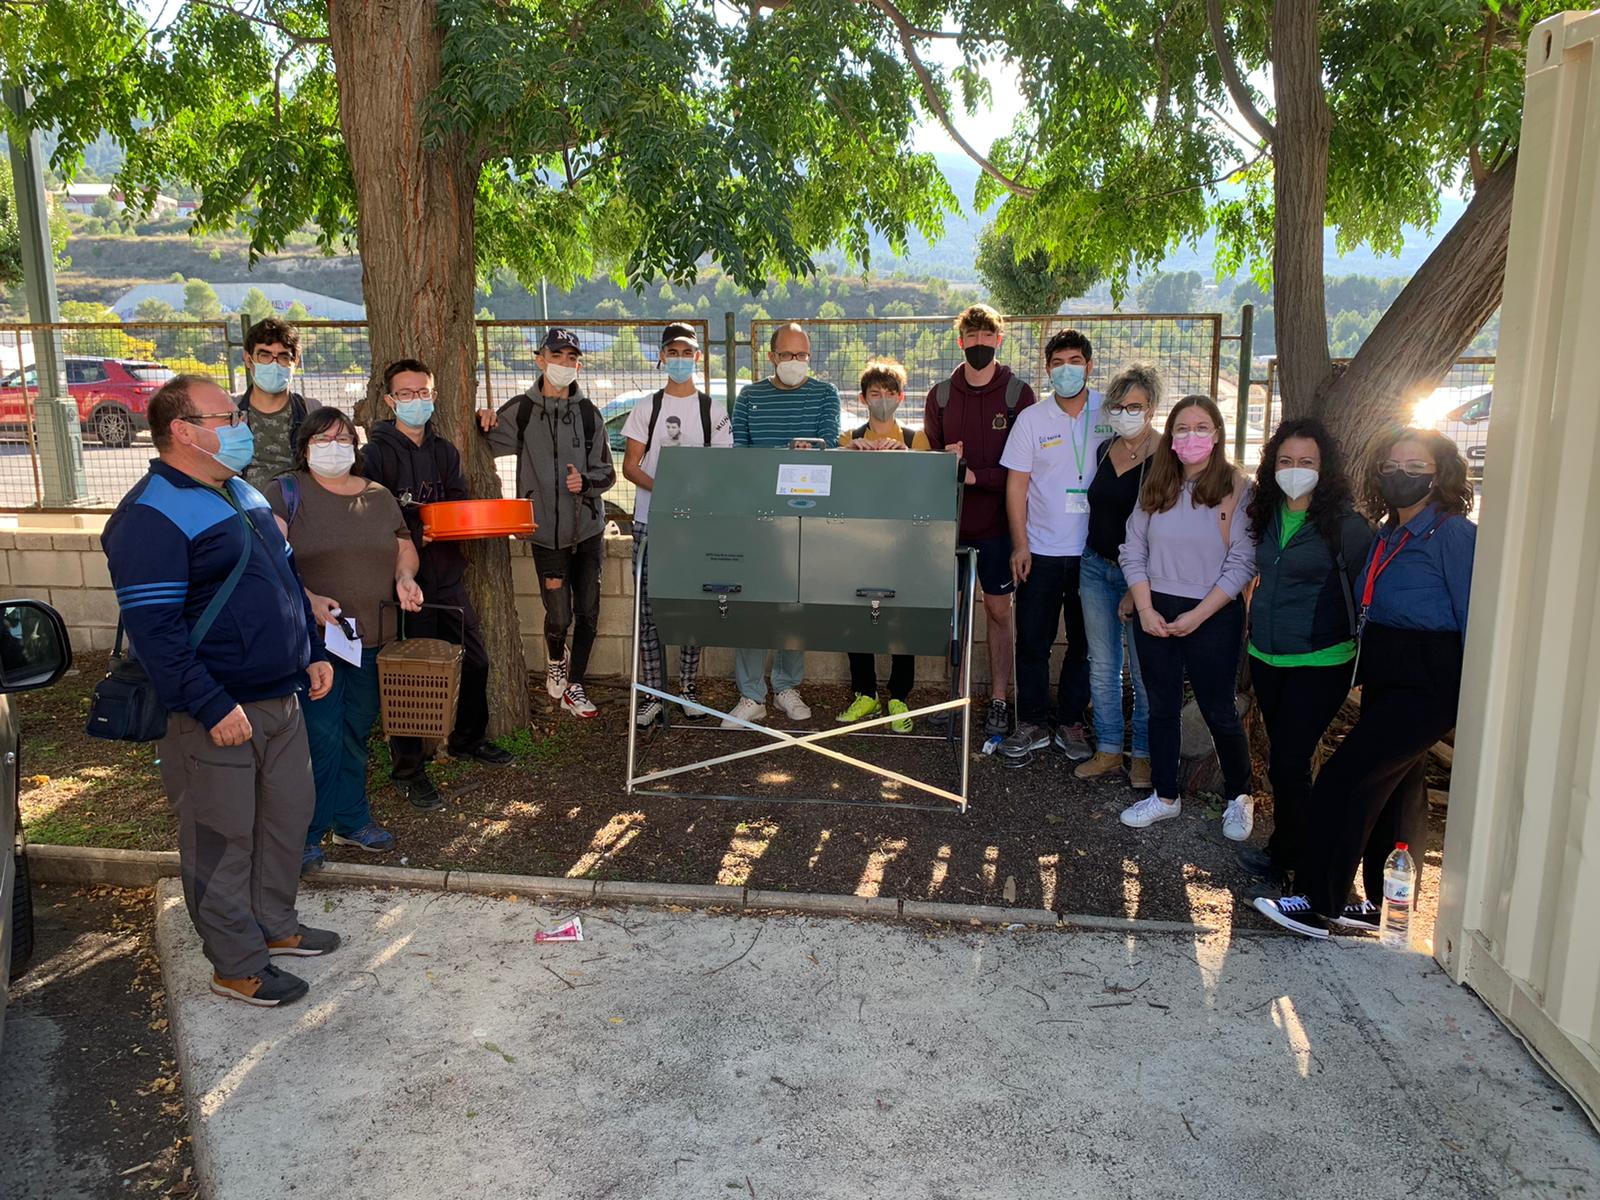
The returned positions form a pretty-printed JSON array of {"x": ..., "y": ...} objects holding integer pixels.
[{"x": 125, "y": 707}]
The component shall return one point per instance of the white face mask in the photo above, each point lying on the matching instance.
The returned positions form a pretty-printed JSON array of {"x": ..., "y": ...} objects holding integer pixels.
[
  {"x": 330, "y": 459},
  {"x": 1297, "y": 481},
  {"x": 793, "y": 374},
  {"x": 1127, "y": 424},
  {"x": 560, "y": 374}
]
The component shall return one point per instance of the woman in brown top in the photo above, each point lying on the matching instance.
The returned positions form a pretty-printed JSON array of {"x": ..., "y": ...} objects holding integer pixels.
[{"x": 354, "y": 552}]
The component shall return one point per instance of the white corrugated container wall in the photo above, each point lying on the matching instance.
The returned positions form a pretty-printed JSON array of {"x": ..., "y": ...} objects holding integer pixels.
[{"x": 1519, "y": 918}]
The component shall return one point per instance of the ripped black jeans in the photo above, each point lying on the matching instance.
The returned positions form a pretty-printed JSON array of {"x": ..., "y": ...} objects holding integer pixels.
[{"x": 569, "y": 585}]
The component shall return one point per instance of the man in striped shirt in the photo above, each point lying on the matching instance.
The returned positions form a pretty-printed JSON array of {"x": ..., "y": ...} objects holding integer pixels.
[{"x": 789, "y": 406}]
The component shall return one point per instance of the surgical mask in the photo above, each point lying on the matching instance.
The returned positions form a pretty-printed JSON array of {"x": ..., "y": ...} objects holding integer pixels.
[
  {"x": 560, "y": 375},
  {"x": 236, "y": 447},
  {"x": 1068, "y": 378},
  {"x": 680, "y": 370},
  {"x": 1296, "y": 481},
  {"x": 1127, "y": 424},
  {"x": 1193, "y": 447},
  {"x": 979, "y": 357},
  {"x": 882, "y": 409},
  {"x": 330, "y": 459},
  {"x": 793, "y": 374},
  {"x": 415, "y": 413},
  {"x": 1402, "y": 490},
  {"x": 271, "y": 377}
]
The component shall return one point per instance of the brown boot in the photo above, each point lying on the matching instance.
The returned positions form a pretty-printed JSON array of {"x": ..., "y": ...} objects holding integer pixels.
[
  {"x": 1100, "y": 765},
  {"x": 1139, "y": 776}
]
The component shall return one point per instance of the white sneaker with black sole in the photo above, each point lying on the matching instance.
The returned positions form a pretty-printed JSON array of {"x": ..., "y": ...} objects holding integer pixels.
[
  {"x": 1294, "y": 914},
  {"x": 555, "y": 678},
  {"x": 575, "y": 702},
  {"x": 1239, "y": 819},
  {"x": 1362, "y": 916}
]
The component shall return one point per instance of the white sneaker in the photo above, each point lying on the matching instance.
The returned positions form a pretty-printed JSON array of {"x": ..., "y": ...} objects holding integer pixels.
[
  {"x": 575, "y": 702},
  {"x": 1150, "y": 810},
  {"x": 1240, "y": 819},
  {"x": 746, "y": 710},
  {"x": 793, "y": 707},
  {"x": 649, "y": 714},
  {"x": 555, "y": 678}
]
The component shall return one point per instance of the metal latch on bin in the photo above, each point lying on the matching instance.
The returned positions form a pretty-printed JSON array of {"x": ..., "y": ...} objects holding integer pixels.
[
  {"x": 722, "y": 591},
  {"x": 877, "y": 596}
]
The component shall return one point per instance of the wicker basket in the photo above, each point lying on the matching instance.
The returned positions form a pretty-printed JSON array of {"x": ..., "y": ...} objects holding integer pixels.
[{"x": 419, "y": 682}]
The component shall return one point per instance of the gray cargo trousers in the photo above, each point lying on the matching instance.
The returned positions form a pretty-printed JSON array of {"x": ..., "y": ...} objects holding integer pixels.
[{"x": 243, "y": 812}]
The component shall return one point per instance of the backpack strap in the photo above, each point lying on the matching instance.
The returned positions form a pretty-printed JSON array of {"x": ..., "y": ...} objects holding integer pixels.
[
  {"x": 655, "y": 415},
  {"x": 591, "y": 422},
  {"x": 705, "y": 417},
  {"x": 1229, "y": 508},
  {"x": 524, "y": 414},
  {"x": 941, "y": 394},
  {"x": 1013, "y": 393},
  {"x": 290, "y": 487}
]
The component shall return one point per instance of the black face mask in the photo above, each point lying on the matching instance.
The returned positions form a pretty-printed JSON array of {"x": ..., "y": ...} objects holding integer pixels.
[
  {"x": 979, "y": 357},
  {"x": 1402, "y": 490}
]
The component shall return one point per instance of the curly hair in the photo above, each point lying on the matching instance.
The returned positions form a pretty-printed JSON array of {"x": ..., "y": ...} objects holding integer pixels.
[
  {"x": 1331, "y": 496},
  {"x": 1140, "y": 376},
  {"x": 1452, "y": 490},
  {"x": 318, "y": 422},
  {"x": 1164, "y": 482}
]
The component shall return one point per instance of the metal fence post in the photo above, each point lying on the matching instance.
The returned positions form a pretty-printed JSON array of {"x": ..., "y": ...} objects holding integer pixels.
[
  {"x": 244, "y": 332},
  {"x": 1241, "y": 406},
  {"x": 488, "y": 379},
  {"x": 730, "y": 352}
]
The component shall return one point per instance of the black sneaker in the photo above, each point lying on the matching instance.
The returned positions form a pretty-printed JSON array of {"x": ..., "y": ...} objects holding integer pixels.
[
  {"x": 691, "y": 714},
  {"x": 1258, "y": 862},
  {"x": 305, "y": 942},
  {"x": 1363, "y": 916},
  {"x": 1027, "y": 738},
  {"x": 420, "y": 791},
  {"x": 267, "y": 990},
  {"x": 487, "y": 753},
  {"x": 1073, "y": 741},
  {"x": 1294, "y": 914},
  {"x": 1000, "y": 719}
]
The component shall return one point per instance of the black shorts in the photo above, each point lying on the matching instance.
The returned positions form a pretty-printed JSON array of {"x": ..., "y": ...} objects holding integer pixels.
[{"x": 994, "y": 564}]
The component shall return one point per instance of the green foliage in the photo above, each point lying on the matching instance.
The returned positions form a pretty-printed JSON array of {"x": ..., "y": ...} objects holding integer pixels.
[
  {"x": 1031, "y": 283},
  {"x": 11, "y": 231},
  {"x": 154, "y": 309},
  {"x": 255, "y": 305},
  {"x": 200, "y": 301},
  {"x": 1169, "y": 292}
]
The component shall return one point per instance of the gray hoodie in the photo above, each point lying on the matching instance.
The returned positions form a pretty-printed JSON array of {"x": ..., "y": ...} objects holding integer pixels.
[{"x": 554, "y": 437}]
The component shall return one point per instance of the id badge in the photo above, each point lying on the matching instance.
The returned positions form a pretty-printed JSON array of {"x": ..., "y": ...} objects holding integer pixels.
[{"x": 1077, "y": 500}]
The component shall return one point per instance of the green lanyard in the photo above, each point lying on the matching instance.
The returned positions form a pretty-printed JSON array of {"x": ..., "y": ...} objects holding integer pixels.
[{"x": 1079, "y": 452}]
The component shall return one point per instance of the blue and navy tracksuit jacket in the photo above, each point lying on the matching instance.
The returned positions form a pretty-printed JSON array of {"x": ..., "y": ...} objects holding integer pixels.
[{"x": 171, "y": 544}]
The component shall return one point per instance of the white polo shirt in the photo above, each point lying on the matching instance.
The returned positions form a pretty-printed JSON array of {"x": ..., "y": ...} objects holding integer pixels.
[{"x": 1058, "y": 453}]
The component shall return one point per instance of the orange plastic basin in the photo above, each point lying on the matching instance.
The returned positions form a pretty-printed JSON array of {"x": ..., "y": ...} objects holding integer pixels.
[{"x": 462, "y": 520}]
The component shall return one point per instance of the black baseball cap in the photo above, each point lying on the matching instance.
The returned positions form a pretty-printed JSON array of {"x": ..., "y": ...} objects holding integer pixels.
[
  {"x": 679, "y": 331},
  {"x": 561, "y": 339}
]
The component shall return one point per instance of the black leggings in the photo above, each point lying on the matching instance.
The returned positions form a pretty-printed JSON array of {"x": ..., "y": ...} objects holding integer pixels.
[
  {"x": 1372, "y": 792},
  {"x": 864, "y": 675},
  {"x": 1297, "y": 704}
]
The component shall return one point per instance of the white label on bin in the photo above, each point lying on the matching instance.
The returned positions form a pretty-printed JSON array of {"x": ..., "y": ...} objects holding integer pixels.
[{"x": 804, "y": 479}]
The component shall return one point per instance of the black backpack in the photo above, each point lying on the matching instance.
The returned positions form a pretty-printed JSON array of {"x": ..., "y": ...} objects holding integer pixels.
[
  {"x": 591, "y": 424},
  {"x": 655, "y": 414}
]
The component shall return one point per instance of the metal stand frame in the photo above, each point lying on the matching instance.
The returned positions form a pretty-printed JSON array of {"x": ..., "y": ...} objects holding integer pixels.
[{"x": 811, "y": 740}]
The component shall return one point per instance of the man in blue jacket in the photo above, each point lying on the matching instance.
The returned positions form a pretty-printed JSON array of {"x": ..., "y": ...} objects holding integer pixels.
[{"x": 234, "y": 761}]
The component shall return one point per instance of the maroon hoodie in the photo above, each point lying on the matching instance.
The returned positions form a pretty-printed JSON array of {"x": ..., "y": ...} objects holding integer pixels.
[{"x": 977, "y": 418}]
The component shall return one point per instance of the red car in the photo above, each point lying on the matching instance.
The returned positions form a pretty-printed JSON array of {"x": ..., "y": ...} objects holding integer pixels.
[{"x": 112, "y": 396}]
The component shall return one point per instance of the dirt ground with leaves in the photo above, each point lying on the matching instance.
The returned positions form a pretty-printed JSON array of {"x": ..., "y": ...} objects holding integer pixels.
[{"x": 1033, "y": 836}]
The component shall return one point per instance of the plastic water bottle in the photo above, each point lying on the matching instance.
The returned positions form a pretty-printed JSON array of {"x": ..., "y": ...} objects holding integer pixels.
[{"x": 1399, "y": 889}]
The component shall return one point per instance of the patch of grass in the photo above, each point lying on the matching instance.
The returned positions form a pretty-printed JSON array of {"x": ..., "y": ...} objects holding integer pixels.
[{"x": 527, "y": 745}]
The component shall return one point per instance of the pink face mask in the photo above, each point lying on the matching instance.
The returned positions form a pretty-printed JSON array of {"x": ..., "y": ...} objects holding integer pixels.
[{"x": 1193, "y": 447}]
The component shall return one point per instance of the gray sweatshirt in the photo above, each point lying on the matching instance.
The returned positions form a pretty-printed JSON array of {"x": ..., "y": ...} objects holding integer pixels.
[
  {"x": 557, "y": 435},
  {"x": 1181, "y": 552}
]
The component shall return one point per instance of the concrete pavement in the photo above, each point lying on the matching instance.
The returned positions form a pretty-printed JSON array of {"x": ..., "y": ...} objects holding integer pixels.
[{"x": 442, "y": 1053}]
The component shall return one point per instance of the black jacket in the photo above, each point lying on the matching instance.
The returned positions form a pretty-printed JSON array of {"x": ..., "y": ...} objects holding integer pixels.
[
  {"x": 1304, "y": 602},
  {"x": 419, "y": 475}
]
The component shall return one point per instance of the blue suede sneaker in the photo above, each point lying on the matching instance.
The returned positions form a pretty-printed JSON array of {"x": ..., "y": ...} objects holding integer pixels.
[
  {"x": 371, "y": 837},
  {"x": 312, "y": 861}
]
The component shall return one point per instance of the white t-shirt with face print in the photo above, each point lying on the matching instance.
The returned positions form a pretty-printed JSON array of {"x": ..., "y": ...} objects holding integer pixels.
[{"x": 677, "y": 425}]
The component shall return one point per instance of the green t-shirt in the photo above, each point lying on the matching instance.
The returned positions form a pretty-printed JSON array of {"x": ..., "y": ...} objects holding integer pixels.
[{"x": 1331, "y": 656}]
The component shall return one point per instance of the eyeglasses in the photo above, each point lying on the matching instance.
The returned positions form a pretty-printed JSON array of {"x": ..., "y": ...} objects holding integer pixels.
[
  {"x": 794, "y": 355},
  {"x": 233, "y": 417},
  {"x": 1202, "y": 431},
  {"x": 1137, "y": 410},
  {"x": 413, "y": 394},
  {"x": 263, "y": 357},
  {"x": 341, "y": 440},
  {"x": 1411, "y": 470}
]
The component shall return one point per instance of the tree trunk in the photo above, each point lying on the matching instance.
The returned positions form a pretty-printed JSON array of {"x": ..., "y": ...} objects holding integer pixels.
[
  {"x": 1431, "y": 321},
  {"x": 415, "y": 225},
  {"x": 1300, "y": 203}
]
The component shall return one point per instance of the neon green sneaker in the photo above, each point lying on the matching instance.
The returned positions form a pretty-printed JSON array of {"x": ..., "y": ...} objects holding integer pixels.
[
  {"x": 904, "y": 724},
  {"x": 860, "y": 709}
]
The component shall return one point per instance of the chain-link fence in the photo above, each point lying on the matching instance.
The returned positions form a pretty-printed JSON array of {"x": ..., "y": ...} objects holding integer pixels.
[
  {"x": 1185, "y": 348},
  {"x": 111, "y": 370},
  {"x": 1458, "y": 407}
]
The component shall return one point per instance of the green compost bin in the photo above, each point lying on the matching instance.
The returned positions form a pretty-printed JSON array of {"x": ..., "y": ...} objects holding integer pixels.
[{"x": 805, "y": 549}]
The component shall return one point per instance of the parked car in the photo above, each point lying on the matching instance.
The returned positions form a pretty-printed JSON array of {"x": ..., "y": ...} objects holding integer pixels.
[
  {"x": 112, "y": 394},
  {"x": 35, "y": 651},
  {"x": 1467, "y": 425}
]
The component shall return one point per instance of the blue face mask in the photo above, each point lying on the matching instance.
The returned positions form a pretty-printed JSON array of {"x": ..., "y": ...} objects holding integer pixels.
[
  {"x": 236, "y": 446},
  {"x": 270, "y": 377},
  {"x": 415, "y": 413},
  {"x": 680, "y": 370},
  {"x": 1067, "y": 379}
]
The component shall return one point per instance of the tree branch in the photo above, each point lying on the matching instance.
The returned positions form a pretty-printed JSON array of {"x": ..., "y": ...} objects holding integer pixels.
[
  {"x": 1194, "y": 187},
  {"x": 299, "y": 39},
  {"x": 1474, "y": 152},
  {"x": 908, "y": 34},
  {"x": 1230, "y": 73}
]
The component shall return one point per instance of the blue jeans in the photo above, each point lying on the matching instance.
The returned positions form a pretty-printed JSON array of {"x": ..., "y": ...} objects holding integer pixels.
[
  {"x": 1101, "y": 588},
  {"x": 750, "y": 667},
  {"x": 337, "y": 728}
]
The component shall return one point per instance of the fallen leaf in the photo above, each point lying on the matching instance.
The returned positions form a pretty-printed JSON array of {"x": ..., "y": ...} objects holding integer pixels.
[{"x": 616, "y": 1020}]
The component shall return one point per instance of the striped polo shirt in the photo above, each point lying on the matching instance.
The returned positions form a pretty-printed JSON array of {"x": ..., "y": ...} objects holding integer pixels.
[{"x": 768, "y": 415}]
